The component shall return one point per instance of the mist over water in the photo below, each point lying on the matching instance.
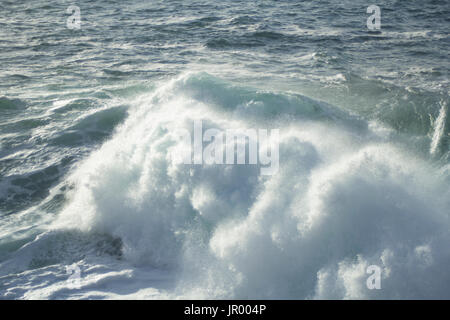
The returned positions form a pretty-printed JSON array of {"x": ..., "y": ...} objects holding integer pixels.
[{"x": 88, "y": 142}]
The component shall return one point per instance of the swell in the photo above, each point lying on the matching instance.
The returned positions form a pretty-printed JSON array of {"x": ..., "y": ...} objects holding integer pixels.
[
  {"x": 37, "y": 150},
  {"x": 344, "y": 198}
]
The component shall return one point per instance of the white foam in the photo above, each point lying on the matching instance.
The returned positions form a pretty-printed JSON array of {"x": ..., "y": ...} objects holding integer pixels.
[
  {"x": 343, "y": 199},
  {"x": 439, "y": 127}
]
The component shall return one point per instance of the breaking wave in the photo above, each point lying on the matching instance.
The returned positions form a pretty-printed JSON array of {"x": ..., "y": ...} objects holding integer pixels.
[{"x": 345, "y": 197}]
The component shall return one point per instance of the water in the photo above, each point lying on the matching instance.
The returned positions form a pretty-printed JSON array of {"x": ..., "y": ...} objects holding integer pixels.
[{"x": 87, "y": 132}]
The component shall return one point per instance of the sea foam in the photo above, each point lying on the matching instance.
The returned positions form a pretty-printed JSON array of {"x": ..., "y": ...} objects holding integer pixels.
[{"x": 342, "y": 199}]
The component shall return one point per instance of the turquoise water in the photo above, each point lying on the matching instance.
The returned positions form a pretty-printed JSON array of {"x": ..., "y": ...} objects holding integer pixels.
[{"x": 87, "y": 122}]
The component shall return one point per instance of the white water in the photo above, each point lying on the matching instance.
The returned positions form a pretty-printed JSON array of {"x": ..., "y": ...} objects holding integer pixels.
[
  {"x": 344, "y": 198},
  {"x": 439, "y": 129}
]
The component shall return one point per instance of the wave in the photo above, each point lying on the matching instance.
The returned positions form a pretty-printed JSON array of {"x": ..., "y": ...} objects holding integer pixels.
[
  {"x": 345, "y": 197},
  {"x": 11, "y": 105},
  {"x": 92, "y": 128}
]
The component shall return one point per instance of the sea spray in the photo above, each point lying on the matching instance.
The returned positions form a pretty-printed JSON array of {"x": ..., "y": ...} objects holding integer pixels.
[
  {"x": 340, "y": 202},
  {"x": 439, "y": 129}
]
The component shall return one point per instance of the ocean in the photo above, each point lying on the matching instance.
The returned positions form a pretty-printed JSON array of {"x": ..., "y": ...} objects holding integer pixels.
[{"x": 93, "y": 95}]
